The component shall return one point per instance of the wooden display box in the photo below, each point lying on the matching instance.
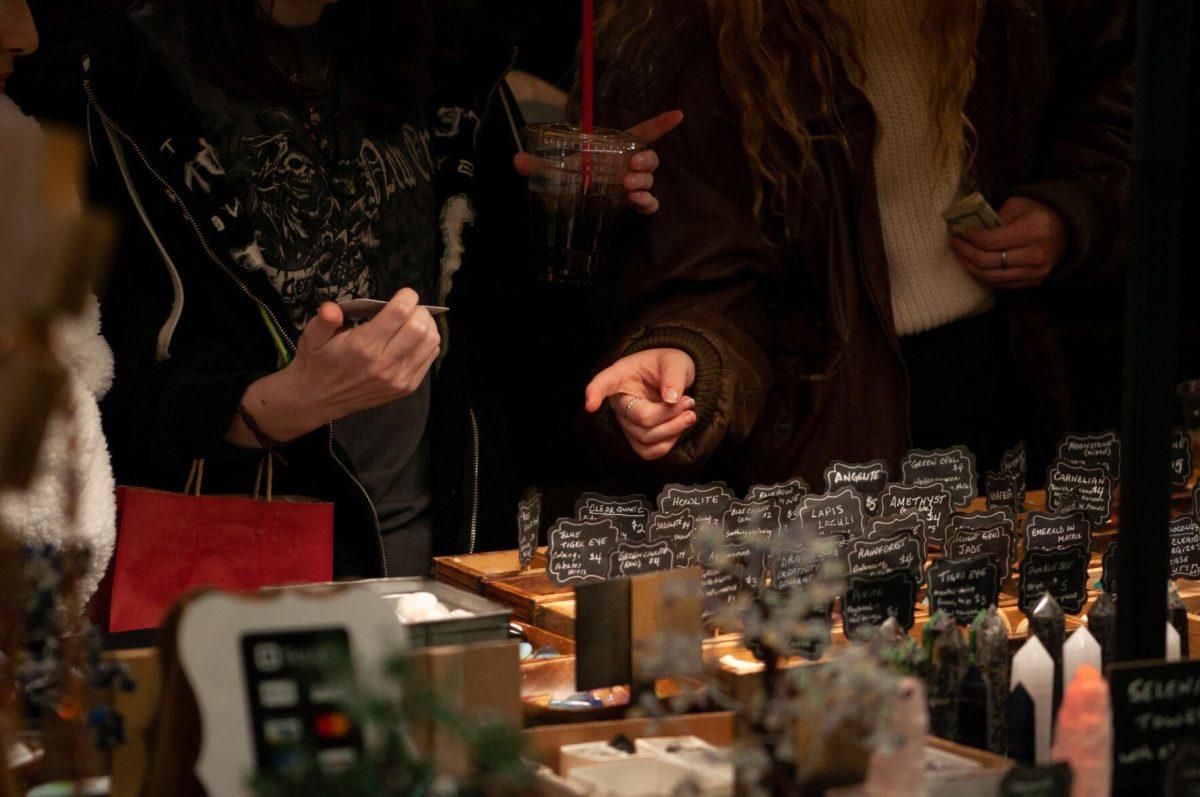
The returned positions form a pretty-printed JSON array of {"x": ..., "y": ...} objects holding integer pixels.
[
  {"x": 542, "y": 744},
  {"x": 472, "y": 572}
]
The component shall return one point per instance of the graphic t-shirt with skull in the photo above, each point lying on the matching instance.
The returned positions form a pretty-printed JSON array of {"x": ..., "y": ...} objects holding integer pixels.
[{"x": 340, "y": 211}]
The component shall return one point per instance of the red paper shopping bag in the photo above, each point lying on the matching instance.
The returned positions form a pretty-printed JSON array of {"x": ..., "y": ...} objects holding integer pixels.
[{"x": 168, "y": 543}]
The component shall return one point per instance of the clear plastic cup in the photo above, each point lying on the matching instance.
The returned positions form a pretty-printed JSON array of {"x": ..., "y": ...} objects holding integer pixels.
[{"x": 575, "y": 197}]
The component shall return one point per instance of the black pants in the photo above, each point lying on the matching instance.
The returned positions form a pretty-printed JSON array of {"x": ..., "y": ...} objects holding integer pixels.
[{"x": 963, "y": 387}]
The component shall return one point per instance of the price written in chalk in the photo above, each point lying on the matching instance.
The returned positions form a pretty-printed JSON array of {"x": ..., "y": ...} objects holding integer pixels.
[
  {"x": 870, "y": 600},
  {"x": 786, "y": 495},
  {"x": 953, "y": 467},
  {"x": 899, "y": 553},
  {"x": 629, "y": 513},
  {"x": 677, "y": 529},
  {"x": 1181, "y": 459},
  {"x": 1061, "y": 572},
  {"x": 867, "y": 478},
  {"x": 631, "y": 558},
  {"x": 964, "y": 588},
  {"x": 931, "y": 502},
  {"x": 579, "y": 550},
  {"x": 1076, "y": 488}
]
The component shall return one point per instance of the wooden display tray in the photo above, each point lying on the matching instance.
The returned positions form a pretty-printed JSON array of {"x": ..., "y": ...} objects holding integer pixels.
[
  {"x": 471, "y": 572},
  {"x": 542, "y": 744}
]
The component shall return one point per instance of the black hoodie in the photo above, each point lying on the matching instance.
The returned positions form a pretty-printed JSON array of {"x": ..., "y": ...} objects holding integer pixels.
[{"x": 184, "y": 237}]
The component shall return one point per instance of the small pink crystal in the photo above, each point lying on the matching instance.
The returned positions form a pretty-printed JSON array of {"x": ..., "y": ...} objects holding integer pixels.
[
  {"x": 1083, "y": 735},
  {"x": 899, "y": 770}
]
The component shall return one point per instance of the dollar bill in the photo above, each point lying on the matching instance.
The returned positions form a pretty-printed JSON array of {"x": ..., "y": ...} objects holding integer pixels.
[{"x": 971, "y": 212}]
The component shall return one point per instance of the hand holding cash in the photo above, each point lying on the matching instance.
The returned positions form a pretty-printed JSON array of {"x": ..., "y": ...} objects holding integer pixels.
[
  {"x": 971, "y": 212},
  {"x": 1017, "y": 249}
]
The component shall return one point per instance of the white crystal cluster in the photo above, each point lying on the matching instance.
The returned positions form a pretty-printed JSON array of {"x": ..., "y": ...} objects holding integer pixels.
[{"x": 421, "y": 607}]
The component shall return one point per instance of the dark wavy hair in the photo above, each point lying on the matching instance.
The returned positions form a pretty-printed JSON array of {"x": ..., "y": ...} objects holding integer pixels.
[{"x": 381, "y": 46}]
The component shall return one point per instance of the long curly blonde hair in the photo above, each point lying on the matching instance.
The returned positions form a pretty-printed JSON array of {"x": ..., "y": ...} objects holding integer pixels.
[{"x": 767, "y": 47}]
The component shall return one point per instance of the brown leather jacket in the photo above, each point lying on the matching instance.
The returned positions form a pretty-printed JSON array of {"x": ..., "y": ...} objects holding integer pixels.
[{"x": 797, "y": 359}]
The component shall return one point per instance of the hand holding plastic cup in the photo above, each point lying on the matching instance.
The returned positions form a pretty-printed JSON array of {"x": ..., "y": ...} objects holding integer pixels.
[{"x": 576, "y": 195}]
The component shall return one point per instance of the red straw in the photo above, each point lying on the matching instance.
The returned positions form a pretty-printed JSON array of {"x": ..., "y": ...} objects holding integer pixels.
[{"x": 589, "y": 66}]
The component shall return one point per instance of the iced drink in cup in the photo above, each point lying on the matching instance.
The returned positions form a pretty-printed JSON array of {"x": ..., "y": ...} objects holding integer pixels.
[{"x": 575, "y": 197}]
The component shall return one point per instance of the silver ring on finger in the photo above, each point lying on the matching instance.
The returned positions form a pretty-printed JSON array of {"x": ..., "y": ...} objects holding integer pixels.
[
  {"x": 1003, "y": 258},
  {"x": 629, "y": 406}
]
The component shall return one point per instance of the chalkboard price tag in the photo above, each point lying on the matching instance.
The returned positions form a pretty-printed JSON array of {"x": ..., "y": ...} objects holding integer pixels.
[
  {"x": 953, "y": 467},
  {"x": 1108, "y": 570},
  {"x": 795, "y": 568},
  {"x": 868, "y": 478},
  {"x": 629, "y": 513},
  {"x": 1093, "y": 451},
  {"x": 886, "y": 526},
  {"x": 1061, "y": 572},
  {"x": 580, "y": 549},
  {"x": 1185, "y": 547},
  {"x": 677, "y": 530},
  {"x": 963, "y": 588},
  {"x": 838, "y": 515},
  {"x": 1181, "y": 459},
  {"x": 1183, "y": 771},
  {"x": 719, "y": 590},
  {"x": 747, "y": 560},
  {"x": 787, "y": 495},
  {"x": 1047, "y": 530},
  {"x": 1003, "y": 492},
  {"x": 631, "y": 558},
  {"x": 1014, "y": 463},
  {"x": 1156, "y": 709},
  {"x": 974, "y": 521},
  {"x": 1196, "y": 501},
  {"x": 994, "y": 541},
  {"x": 1051, "y": 780},
  {"x": 932, "y": 503},
  {"x": 707, "y": 502},
  {"x": 903, "y": 552},
  {"x": 870, "y": 600},
  {"x": 752, "y": 522},
  {"x": 529, "y": 520},
  {"x": 1076, "y": 488}
]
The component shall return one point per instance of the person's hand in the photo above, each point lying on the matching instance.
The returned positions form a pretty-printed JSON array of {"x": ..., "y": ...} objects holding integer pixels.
[
  {"x": 646, "y": 391},
  {"x": 1019, "y": 254},
  {"x": 640, "y": 177},
  {"x": 338, "y": 371},
  {"x": 347, "y": 370}
]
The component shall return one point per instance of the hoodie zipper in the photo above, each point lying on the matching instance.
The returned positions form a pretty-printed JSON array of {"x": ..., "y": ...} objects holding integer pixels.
[
  {"x": 474, "y": 521},
  {"x": 174, "y": 195}
]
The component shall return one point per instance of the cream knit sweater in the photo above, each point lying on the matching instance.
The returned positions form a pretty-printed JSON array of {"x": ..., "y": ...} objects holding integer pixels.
[{"x": 929, "y": 288}]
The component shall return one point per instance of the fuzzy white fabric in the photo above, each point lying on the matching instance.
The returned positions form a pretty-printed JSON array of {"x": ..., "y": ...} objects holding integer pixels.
[{"x": 37, "y": 515}]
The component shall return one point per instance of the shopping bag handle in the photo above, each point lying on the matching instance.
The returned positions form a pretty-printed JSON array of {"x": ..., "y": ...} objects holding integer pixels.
[{"x": 195, "y": 478}]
